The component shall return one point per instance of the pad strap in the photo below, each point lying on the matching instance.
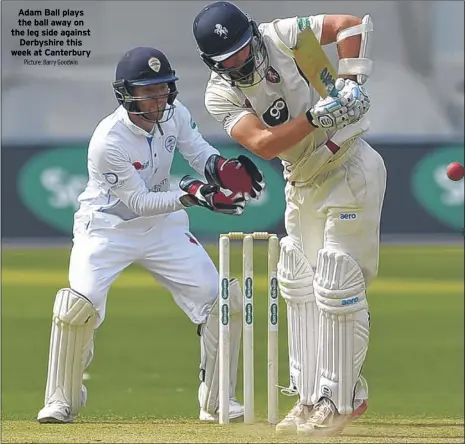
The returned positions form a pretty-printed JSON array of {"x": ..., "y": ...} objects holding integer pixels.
[{"x": 354, "y": 30}]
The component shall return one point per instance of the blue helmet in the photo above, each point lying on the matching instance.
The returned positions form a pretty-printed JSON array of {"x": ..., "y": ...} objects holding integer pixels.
[
  {"x": 144, "y": 66},
  {"x": 221, "y": 30}
]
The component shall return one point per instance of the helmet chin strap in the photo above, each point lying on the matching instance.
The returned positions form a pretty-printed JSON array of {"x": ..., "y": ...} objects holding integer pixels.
[
  {"x": 156, "y": 124},
  {"x": 159, "y": 128}
]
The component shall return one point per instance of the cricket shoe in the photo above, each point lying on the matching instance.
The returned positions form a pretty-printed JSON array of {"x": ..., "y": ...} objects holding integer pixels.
[
  {"x": 298, "y": 415},
  {"x": 236, "y": 410},
  {"x": 325, "y": 420},
  {"x": 56, "y": 411}
]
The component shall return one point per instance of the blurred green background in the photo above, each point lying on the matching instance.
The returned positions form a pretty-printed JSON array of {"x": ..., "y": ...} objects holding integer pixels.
[{"x": 147, "y": 351}]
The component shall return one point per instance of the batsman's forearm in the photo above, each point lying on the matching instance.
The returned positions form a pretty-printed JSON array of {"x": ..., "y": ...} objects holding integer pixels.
[
  {"x": 350, "y": 47},
  {"x": 274, "y": 141}
]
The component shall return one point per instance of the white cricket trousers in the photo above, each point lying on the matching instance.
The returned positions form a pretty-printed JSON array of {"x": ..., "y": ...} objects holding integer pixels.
[
  {"x": 166, "y": 249},
  {"x": 341, "y": 210}
]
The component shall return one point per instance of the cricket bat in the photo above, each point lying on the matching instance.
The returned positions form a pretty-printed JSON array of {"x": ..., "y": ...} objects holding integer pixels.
[{"x": 314, "y": 63}]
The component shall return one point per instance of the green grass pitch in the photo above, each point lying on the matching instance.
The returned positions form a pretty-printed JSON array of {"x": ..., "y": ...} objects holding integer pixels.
[{"x": 143, "y": 381}]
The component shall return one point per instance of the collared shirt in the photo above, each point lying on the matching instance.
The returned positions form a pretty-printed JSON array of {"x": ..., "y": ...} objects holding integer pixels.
[
  {"x": 282, "y": 95},
  {"x": 129, "y": 168}
]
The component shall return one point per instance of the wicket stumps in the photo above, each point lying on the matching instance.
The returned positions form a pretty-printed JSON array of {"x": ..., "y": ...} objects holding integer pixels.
[{"x": 248, "y": 326}]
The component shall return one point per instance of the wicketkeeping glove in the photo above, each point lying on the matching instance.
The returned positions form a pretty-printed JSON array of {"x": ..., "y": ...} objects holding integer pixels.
[
  {"x": 209, "y": 196},
  {"x": 239, "y": 175}
]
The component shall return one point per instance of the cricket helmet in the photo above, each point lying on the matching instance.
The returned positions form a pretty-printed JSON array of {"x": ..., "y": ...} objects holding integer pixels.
[
  {"x": 143, "y": 66},
  {"x": 221, "y": 30}
]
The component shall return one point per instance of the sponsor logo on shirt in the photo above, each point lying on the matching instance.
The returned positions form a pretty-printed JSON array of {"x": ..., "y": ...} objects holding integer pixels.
[
  {"x": 303, "y": 23},
  {"x": 140, "y": 165},
  {"x": 347, "y": 216},
  {"x": 192, "y": 239},
  {"x": 162, "y": 186},
  {"x": 111, "y": 178}
]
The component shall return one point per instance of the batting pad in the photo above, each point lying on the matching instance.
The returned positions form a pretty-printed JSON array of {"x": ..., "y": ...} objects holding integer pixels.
[
  {"x": 209, "y": 375},
  {"x": 73, "y": 323},
  {"x": 344, "y": 328},
  {"x": 295, "y": 278}
]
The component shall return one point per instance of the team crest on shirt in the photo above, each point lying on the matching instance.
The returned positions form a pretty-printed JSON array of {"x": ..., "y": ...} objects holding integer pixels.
[
  {"x": 170, "y": 144},
  {"x": 272, "y": 75}
]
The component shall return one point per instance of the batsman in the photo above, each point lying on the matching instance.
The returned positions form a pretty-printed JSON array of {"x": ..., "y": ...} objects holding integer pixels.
[{"x": 276, "y": 95}]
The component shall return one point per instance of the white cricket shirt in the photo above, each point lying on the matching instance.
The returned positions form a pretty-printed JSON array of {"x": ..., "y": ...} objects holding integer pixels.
[{"x": 129, "y": 168}]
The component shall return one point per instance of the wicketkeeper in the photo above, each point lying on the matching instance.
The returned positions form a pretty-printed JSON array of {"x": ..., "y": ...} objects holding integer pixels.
[{"x": 128, "y": 214}]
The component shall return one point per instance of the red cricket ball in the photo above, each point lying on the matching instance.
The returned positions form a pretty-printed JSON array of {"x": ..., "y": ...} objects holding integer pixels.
[{"x": 455, "y": 171}]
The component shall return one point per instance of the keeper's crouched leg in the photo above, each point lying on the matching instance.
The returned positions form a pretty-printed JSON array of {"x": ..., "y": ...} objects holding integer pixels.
[
  {"x": 73, "y": 324},
  {"x": 209, "y": 373}
]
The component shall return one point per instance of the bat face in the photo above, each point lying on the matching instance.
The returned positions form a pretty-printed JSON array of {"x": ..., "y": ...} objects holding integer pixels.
[{"x": 314, "y": 63}]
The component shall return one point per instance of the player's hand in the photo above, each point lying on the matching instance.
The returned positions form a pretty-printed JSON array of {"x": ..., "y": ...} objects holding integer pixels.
[
  {"x": 335, "y": 113},
  {"x": 209, "y": 196},
  {"x": 238, "y": 175},
  {"x": 329, "y": 114},
  {"x": 353, "y": 96}
]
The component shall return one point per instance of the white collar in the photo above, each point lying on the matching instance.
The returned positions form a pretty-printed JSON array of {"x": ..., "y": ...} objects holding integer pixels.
[{"x": 137, "y": 130}]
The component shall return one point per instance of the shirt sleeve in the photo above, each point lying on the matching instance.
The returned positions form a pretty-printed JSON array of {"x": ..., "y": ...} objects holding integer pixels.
[
  {"x": 289, "y": 28},
  {"x": 114, "y": 168},
  {"x": 225, "y": 108},
  {"x": 192, "y": 146}
]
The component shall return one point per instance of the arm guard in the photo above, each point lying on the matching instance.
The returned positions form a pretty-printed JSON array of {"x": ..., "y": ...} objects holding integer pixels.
[{"x": 363, "y": 65}]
